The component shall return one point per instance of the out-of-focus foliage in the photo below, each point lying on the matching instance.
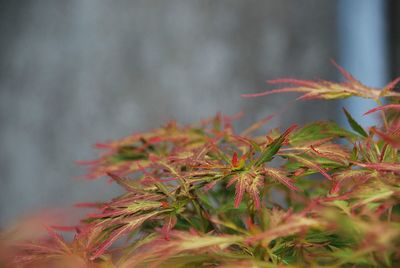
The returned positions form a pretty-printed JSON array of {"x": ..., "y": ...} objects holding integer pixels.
[{"x": 205, "y": 196}]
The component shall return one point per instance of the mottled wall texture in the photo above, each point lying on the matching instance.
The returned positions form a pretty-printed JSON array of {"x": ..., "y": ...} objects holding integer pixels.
[{"x": 76, "y": 72}]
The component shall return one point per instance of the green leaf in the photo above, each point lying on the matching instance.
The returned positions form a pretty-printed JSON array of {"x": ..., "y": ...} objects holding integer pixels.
[
  {"x": 319, "y": 131},
  {"x": 273, "y": 147},
  {"x": 347, "y": 256},
  {"x": 354, "y": 125}
]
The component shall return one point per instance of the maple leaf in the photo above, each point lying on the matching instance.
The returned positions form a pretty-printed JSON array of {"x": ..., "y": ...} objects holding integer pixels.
[
  {"x": 250, "y": 182},
  {"x": 55, "y": 251},
  {"x": 383, "y": 107},
  {"x": 272, "y": 149},
  {"x": 281, "y": 177},
  {"x": 330, "y": 90}
]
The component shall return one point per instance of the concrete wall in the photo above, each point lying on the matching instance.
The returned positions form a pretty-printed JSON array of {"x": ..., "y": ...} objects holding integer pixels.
[{"x": 76, "y": 72}]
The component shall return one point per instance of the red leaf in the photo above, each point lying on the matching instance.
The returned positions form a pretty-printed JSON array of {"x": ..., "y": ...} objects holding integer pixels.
[
  {"x": 279, "y": 176},
  {"x": 88, "y": 205},
  {"x": 210, "y": 185},
  {"x": 335, "y": 188},
  {"x": 312, "y": 165},
  {"x": 240, "y": 189},
  {"x": 269, "y": 92},
  {"x": 164, "y": 204},
  {"x": 64, "y": 228},
  {"x": 256, "y": 198},
  {"x": 58, "y": 239},
  {"x": 235, "y": 161},
  {"x": 108, "y": 242},
  {"x": 298, "y": 82},
  {"x": 345, "y": 73},
  {"x": 392, "y": 84},
  {"x": 169, "y": 223},
  {"x": 395, "y": 167},
  {"x": 384, "y": 107},
  {"x": 99, "y": 145},
  {"x": 390, "y": 139}
]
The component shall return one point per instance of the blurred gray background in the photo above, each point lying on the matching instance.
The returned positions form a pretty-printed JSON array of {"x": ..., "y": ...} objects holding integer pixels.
[{"x": 76, "y": 72}]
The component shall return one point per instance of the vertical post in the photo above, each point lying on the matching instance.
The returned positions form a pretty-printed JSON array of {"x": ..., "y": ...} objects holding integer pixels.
[{"x": 363, "y": 48}]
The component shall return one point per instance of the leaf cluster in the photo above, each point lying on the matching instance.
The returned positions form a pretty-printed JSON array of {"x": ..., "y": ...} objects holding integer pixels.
[{"x": 204, "y": 195}]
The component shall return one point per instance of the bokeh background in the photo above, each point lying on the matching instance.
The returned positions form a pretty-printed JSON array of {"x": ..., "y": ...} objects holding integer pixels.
[{"x": 76, "y": 72}]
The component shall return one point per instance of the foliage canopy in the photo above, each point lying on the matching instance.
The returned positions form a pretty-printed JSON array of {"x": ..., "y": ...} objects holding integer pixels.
[{"x": 205, "y": 196}]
